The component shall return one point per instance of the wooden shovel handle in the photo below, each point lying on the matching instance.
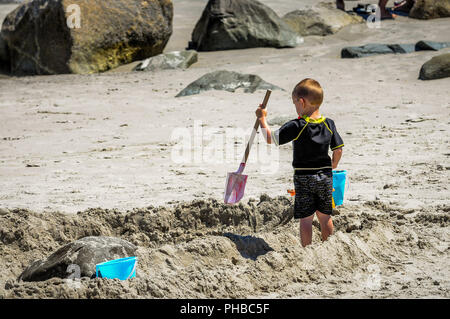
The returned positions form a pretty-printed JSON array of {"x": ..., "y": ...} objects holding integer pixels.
[{"x": 256, "y": 126}]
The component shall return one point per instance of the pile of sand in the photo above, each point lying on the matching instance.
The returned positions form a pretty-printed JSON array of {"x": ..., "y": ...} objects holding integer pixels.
[{"x": 204, "y": 249}]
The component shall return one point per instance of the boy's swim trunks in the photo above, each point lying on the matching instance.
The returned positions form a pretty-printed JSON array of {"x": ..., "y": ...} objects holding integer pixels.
[{"x": 313, "y": 192}]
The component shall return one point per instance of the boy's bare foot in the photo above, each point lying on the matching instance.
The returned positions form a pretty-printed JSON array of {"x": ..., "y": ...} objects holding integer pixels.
[{"x": 340, "y": 5}]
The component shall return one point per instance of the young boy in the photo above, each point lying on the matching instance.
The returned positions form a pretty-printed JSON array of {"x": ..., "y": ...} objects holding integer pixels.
[{"x": 312, "y": 135}]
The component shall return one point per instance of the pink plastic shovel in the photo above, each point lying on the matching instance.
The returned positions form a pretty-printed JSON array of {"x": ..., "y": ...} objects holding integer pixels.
[{"x": 235, "y": 185}]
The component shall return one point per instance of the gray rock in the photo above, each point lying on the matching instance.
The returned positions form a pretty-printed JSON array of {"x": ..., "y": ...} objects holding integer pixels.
[
  {"x": 402, "y": 48},
  {"x": 436, "y": 68},
  {"x": 430, "y": 9},
  {"x": 366, "y": 50},
  {"x": 376, "y": 48},
  {"x": 431, "y": 45},
  {"x": 85, "y": 252},
  {"x": 322, "y": 19},
  {"x": 227, "y": 81},
  {"x": 240, "y": 24},
  {"x": 111, "y": 33},
  {"x": 171, "y": 60}
]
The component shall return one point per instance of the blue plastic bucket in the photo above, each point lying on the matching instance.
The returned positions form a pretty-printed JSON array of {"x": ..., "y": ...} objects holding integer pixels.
[
  {"x": 339, "y": 178},
  {"x": 123, "y": 268}
]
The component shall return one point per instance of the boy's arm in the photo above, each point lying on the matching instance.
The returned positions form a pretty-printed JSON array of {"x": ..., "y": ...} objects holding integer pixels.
[
  {"x": 336, "y": 145},
  {"x": 337, "y": 154},
  {"x": 261, "y": 114},
  {"x": 287, "y": 132}
]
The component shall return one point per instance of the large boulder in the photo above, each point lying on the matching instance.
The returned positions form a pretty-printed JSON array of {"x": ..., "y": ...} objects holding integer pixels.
[
  {"x": 227, "y": 81},
  {"x": 436, "y": 68},
  {"x": 168, "y": 61},
  {"x": 43, "y": 36},
  {"x": 322, "y": 19},
  {"x": 430, "y": 9},
  {"x": 240, "y": 24},
  {"x": 85, "y": 253}
]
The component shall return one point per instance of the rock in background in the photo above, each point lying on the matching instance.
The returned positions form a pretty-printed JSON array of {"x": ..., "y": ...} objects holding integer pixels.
[
  {"x": 430, "y": 9},
  {"x": 240, "y": 24},
  {"x": 167, "y": 61},
  {"x": 366, "y": 50},
  {"x": 431, "y": 45},
  {"x": 227, "y": 81},
  {"x": 377, "y": 48},
  {"x": 111, "y": 33},
  {"x": 322, "y": 19},
  {"x": 85, "y": 252},
  {"x": 437, "y": 68}
]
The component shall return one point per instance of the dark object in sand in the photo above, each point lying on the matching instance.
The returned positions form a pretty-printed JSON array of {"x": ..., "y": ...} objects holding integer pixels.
[
  {"x": 54, "y": 37},
  {"x": 249, "y": 246},
  {"x": 376, "y": 48},
  {"x": 227, "y": 81},
  {"x": 4, "y": 55},
  {"x": 167, "y": 61},
  {"x": 322, "y": 19},
  {"x": 430, "y": 9},
  {"x": 436, "y": 68},
  {"x": 240, "y": 24},
  {"x": 431, "y": 45},
  {"x": 84, "y": 253}
]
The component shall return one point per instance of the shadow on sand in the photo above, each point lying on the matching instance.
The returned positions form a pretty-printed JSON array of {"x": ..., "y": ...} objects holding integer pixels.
[{"x": 249, "y": 246}]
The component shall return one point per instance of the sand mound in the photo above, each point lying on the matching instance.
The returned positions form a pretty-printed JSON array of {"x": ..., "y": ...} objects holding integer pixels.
[{"x": 204, "y": 249}]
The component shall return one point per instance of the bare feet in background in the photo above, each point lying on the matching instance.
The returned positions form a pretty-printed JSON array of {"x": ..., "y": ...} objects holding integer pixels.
[
  {"x": 385, "y": 14},
  {"x": 404, "y": 6}
]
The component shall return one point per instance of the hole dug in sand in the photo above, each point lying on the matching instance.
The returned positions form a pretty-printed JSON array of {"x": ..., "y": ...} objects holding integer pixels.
[
  {"x": 249, "y": 246},
  {"x": 205, "y": 249}
]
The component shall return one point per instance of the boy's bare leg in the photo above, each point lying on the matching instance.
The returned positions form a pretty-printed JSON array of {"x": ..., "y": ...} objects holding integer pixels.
[
  {"x": 306, "y": 230},
  {"x": 326, "y": 225}
]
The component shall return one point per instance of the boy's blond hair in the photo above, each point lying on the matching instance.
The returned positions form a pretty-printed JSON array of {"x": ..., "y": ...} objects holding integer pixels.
[{"x": 310, "y": 90}]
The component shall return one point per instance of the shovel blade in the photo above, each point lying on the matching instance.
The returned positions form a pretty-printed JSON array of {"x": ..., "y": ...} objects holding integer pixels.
[{"x": 234, "y": 187}]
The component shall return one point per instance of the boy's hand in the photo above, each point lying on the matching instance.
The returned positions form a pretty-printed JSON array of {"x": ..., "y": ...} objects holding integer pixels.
[{"x": 260, "y": 113}]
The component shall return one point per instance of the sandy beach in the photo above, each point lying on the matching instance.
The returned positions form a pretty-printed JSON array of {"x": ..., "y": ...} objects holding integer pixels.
[{"x": 80, "y": 154}]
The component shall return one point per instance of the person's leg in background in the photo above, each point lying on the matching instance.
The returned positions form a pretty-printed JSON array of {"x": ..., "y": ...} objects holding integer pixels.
[
  {"x": 405, "y": 5},
  {"x": 384, "y": 12},
  {"x": 340, "y": 4}
]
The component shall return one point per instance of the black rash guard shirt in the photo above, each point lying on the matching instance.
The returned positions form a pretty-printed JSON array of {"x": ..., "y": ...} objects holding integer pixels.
[{"x": 312, "y": 138}]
